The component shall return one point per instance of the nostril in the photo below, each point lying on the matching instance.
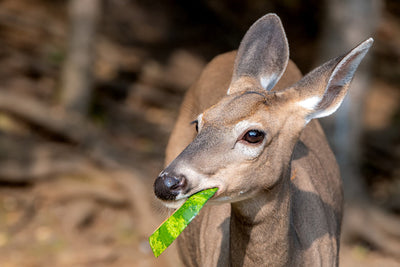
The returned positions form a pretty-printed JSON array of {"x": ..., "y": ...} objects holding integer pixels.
[
  {"x": 171, "y": 182},
  {"x": 167, "y": 187},
  {"x": 181, "y": 184},
  {"x": 174, "y": 183}
]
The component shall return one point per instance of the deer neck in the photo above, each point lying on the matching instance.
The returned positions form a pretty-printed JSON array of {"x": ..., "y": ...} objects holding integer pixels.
[{"x": 259, "y": 228}]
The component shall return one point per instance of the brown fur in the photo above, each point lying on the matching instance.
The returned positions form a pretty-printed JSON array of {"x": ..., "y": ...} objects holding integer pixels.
[{"x": 312, "y": 154}]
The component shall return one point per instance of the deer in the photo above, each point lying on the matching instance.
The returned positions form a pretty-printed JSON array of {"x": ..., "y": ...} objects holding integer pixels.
[{"x": 249, "y": 127}]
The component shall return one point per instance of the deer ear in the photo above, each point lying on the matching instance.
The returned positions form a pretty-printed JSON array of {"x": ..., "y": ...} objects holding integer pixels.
[
  {"x": 263, "y": 54},
  {"x": 322, "y": 91}
]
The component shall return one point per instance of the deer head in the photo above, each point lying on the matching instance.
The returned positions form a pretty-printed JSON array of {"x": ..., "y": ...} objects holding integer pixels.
[{"x": 245, "y": 142}]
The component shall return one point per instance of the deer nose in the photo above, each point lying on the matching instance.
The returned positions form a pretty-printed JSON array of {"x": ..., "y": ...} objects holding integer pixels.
[{"x": 167, "y": 187}]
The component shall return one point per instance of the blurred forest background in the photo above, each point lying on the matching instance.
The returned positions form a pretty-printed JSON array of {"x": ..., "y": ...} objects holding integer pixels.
[{"x": 90, "y": 89}]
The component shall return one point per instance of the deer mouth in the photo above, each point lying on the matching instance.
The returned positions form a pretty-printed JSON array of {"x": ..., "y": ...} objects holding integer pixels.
[
  {"x": 173, "y": 188},
  {"x": 181, "y": 198},
  {"x": 174, "y": 204}
]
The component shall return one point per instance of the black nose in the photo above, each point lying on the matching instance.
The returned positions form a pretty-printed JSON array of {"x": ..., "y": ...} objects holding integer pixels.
[{"x": 167, "y": 187}]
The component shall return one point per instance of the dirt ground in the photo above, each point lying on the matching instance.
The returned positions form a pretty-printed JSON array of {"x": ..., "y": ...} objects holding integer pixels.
[{"x": 62, "y": 204}]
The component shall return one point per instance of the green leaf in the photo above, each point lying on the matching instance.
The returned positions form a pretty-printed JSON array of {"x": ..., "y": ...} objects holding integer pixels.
[{"x": 167, "y": 232}]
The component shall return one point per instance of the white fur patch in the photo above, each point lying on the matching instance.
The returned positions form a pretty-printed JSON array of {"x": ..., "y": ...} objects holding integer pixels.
[
  {"x": 199, "y": 122},
  {"x": 249, "y": 150},
  {"x": 174, "y": 204},
  {"x": 322, "y": 113},
  {"x": 268, "y": 82},
  {"x": 310, "y": 103}
]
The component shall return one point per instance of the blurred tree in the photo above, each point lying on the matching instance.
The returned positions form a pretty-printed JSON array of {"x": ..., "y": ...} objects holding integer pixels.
[
  {"x": 76, "y": 78},
  {"x": 354, "y": 21}
]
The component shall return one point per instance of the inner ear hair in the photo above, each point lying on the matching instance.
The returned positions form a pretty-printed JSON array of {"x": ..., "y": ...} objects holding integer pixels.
[
  {"x": 262, "y": 56},
  {"x": 323, "y": 89}
]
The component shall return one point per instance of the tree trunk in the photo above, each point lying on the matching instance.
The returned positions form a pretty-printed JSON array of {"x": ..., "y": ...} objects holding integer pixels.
[{"x": 77, "y": 76}]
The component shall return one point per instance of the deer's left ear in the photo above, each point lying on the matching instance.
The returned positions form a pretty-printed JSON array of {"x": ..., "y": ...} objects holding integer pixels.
[{"x": 321, "y": 92}]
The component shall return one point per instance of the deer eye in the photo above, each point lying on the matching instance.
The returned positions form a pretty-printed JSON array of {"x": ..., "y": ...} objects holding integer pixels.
[{"x": 253, "y": 136}]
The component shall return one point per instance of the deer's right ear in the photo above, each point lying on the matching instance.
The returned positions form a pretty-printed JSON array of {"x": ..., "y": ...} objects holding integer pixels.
[
  {"x": 262, "y": 56},
  {"x": 321, "y": 92}
]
